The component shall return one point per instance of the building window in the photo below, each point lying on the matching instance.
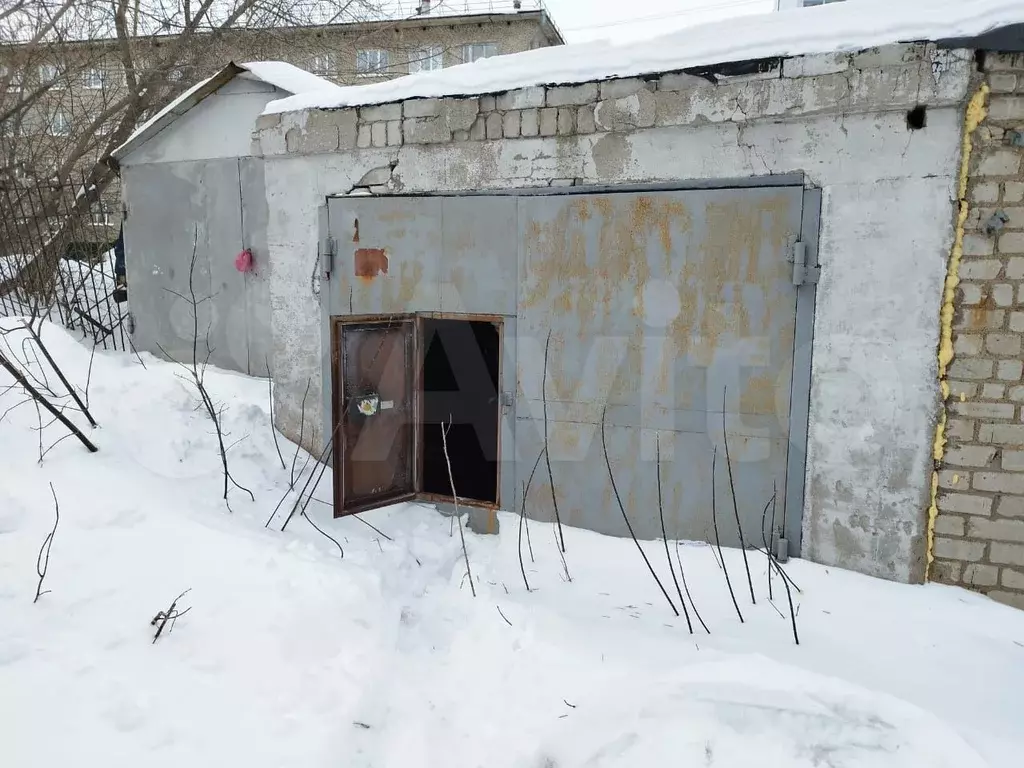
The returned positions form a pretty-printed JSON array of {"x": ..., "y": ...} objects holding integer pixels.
[
  {"x": 426, "y": 59},
  {"x": 47, "y": 73},
  {"x": 476, "y": 51},
  {"x": 94, "y": 79},
  {"x": 322, "y": 64},
  {"x": 102, "y": 214},
  {"x": 11, "y": 79},
  {"x": 60, "y": 125},
  {"x": 372, "y": 62}
]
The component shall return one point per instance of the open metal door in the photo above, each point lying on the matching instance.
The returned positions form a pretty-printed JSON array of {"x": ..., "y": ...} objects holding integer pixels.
[{"x": 374, "y": 415}]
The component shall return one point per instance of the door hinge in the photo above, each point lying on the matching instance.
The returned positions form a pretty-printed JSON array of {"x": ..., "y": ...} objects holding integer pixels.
[
  {"x": 803, "y": 273},
  {"x": 327, "y": 258}
]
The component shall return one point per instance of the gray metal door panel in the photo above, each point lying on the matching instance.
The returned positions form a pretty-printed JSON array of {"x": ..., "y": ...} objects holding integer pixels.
[
  {"x": 479, "y": 262},
  {"x": 387, "y": 256},
  {"x": 257, "y": 282},
  {"x": 657, "y": 303},
  {"x": 229, "y": 333},
  {"x": 175, "y": 208},
  {"x": 165, "y": 222}
]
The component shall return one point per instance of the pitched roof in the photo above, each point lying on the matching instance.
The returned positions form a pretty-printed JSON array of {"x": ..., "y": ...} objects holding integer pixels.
[{"x": 279, "y": 74}]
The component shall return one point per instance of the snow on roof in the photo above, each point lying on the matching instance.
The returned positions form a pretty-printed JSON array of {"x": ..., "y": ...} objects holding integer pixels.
[
  {"x": 848, "y": 26},
  {"x": 288, "y": 77},
  {"x": 279, "y": 74}
]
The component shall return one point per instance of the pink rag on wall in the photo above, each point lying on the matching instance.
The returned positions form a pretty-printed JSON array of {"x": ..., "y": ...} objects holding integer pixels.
[{"x": 243, "y": 261}]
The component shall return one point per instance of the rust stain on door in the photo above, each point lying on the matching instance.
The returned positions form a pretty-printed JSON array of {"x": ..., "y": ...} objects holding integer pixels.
[{"x": 370, "y": 262}]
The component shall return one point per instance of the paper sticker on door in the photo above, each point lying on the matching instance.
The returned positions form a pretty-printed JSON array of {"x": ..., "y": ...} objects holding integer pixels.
[{"x": 368, "y": 405}]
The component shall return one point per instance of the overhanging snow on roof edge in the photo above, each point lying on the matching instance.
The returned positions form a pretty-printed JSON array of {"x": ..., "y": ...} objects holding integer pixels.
[
  {"x": 850, "y": 26},
  {"x": 279, "y": 74}
]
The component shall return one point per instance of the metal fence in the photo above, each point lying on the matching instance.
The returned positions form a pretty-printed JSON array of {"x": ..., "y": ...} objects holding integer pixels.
[{"x": 57, "y": 260}]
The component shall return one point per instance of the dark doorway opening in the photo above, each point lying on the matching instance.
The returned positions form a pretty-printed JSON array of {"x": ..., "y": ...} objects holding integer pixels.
[{"x": 460, "y": 384}]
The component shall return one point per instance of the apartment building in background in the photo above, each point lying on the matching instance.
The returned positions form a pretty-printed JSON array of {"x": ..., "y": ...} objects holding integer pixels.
[{"x": 85, "y": 80}]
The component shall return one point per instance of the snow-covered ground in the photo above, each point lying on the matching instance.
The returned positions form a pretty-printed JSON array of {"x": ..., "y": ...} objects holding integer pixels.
[{"x": 292, "y": 656}]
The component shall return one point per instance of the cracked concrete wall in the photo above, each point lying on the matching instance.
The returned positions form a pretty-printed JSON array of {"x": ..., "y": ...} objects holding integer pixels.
[{"x": 841, "y": 119}]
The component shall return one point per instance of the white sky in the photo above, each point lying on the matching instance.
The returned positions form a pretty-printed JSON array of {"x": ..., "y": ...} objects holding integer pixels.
[{"x": 619, "y": 20}]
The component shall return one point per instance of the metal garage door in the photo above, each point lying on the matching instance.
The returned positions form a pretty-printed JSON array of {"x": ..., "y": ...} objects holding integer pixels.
[
  {"x": 217, "y": 207},
  {"x": 662, "y": 306}
]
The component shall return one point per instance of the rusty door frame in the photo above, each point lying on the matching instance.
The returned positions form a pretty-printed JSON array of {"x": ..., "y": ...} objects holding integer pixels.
[
  {"x": 469, "y": 317},
  {"x": 338, "y": 322},
  {"x": 416, "y": 318}
]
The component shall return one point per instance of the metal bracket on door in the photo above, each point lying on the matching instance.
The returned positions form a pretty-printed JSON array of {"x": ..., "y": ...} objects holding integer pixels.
[{"x": 803, "y": 273}]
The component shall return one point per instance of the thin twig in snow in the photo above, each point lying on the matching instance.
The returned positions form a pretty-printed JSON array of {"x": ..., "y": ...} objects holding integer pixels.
[
  {"x": 707, "y": 540},
  {"x": 170, "y": 615},
  {"x": 625, "y": 517},
  {"x": 735, "y": 506},
  {"x": 529, "y": 484},
  {"x": 522, "y": 517},
  {"x": 718, "y": 539},
  {"x": 764, "y": 539},
  {"x": 323, "y": 533},
  {"x": 325, "y": 458},
  {"x": 770, "y": 544},
  {"x": 503, "y": 615},
  {"x": 270, "y": 393},
  {"x": 789, "y": 598},
  {"x": 302, "y": 433},
  {"x": 197, "y": 372},
  {"x": 664, "y": 535},
  {"x": 88, "y": 375},
  {"x": 547, "y": 451},
  {"x": 43, "y": 558},
  {"x": 785, "y": 575},
  {"x": 686, "y": 589},
  {"x": 455, "y": 498}
]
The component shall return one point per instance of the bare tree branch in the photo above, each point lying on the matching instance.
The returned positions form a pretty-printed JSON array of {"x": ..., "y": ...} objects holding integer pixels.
[
  {"x": 455, "y": 498},
  {"x": 718, "y": 539},
  {"x": 735, "y": 507},
  {"x": 625, "y": 517},
  {"x": 171, "y": 615},
  {"x": 43, "y": 559},
  {"x": 41, "y": 400},
  {"x": 664, "y": 535},
  {"x": 547, "y": 451}
]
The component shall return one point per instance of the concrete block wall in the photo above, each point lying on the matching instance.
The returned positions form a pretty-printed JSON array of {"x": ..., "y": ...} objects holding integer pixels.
[
  {"x": 979, "y": 529},
  {"x": 877, "y": 80},
  {"x": 888, "y": 203}
]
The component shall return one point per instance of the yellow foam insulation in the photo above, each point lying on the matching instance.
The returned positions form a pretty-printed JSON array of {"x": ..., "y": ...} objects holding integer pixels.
[{"x": 975, "y": 114}]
